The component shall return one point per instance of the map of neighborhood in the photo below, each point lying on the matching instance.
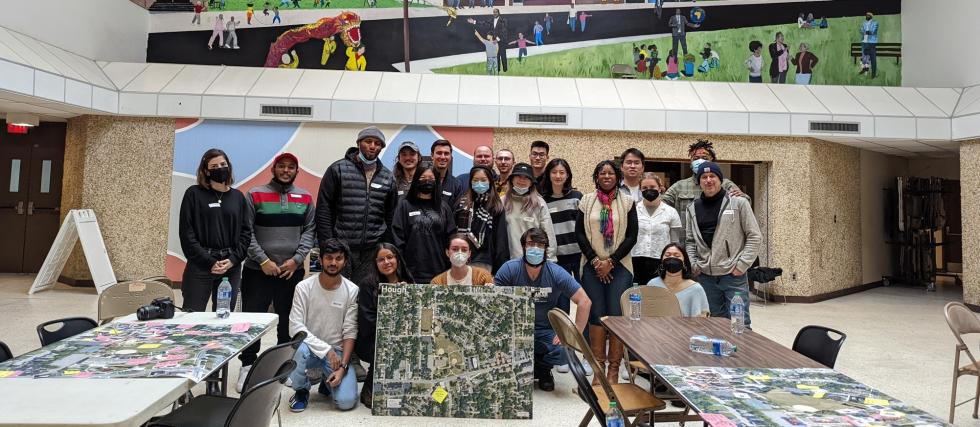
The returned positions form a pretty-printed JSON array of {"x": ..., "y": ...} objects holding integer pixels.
[
  {"x": 788, "y": 397},
  {"x": 454, "y": 351}
]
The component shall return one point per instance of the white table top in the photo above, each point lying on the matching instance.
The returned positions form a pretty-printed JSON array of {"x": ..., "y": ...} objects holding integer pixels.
[{"x": 112, "y": 402}]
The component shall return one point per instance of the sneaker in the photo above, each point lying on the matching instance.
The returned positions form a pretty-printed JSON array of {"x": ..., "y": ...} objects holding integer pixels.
[
  {"x": 625, "y": 373},
  {"x": 242, "y": 375},
  {"x": 299, "y": 401},
  {"x": 588, "y": 369},
  {"x": 562, "y": 369},
  {"x": 324, "y": 389},
  {"x": 546, "y": 381}
]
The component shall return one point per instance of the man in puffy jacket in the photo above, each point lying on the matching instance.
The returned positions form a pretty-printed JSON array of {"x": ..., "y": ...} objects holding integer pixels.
[{"x": 356, "y": 202}]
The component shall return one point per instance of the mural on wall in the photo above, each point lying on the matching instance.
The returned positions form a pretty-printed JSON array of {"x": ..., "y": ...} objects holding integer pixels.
[
  {"x": 251, "y": 147},
  {"x": 825, "y": 42}
]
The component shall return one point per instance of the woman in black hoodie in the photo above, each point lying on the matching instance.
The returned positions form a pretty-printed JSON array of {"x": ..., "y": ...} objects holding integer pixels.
[{"x": 422, "y": 224}]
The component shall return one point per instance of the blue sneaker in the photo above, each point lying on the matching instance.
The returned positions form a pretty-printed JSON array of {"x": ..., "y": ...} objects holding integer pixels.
[
  {"x": 324, "y": 389},
  {"x": 299, "y": 401}
]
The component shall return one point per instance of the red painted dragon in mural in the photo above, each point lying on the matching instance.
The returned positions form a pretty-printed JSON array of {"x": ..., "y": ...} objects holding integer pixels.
[{"x": 347, "y": 24}]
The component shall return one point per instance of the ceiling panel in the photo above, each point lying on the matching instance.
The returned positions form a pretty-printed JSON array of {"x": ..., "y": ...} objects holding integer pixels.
[
  {"x": 439, "y": 89},
  {"x": 915, "y": 102},
  {"x": 153, "y": 78},
  {"x": 234, "y": 81},
  {"x": 797, "y": 99},
  {"x": 519, "y": 92},
  {"x": 558, "y": 92},
  {"x": 757, "y": 98},
  {"x": 878, "y": 101},
  {"x": 317, "y": 84},
  {"x": 31, "y": 58},
  {"x": 358, "y": 86},
  {"x": 678, "y": 95},
  {"x": 276, "y": 83},
  {"x": 122, "y": 73},
  {"x": 944, "y": 98},
  {"x": 193, "y": 79},
  {"x": 718, "y": 97},
  {"x": 838, "y": 100},
  {"x": 638, "y": 94},
  {"x": 480, "y": 90},
  {"x": 399, "y": 87},
  {"x": 597, "y": 93}
]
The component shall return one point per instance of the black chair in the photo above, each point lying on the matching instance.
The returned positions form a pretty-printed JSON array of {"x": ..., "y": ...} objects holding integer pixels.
[
  {"x": 254, "y": 408},
  {"x": 816, "y": 343},
  {"x": 267, "y": 364},
  {"x": 70, "y": 326},
  {"x": 585, "y": 390},
  {"x": 5, "y": 353}
]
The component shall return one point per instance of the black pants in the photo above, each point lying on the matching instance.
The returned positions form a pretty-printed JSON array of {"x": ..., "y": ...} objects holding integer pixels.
[
  {"x": 502, "y": 59},
  {"x": 199, "y": 285},
  {"x": 258, "y": 292},
  {"x": 360, "y": 264},
  {"x": 645, "y": 269}
]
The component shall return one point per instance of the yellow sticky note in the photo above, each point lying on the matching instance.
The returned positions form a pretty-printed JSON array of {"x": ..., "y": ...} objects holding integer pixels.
[
  {"x": 5, "y": 374},
  {"x": 807, "y": 387},
  {"x": 819, "y": 394},
  {"x": 72, "y": 372},
  {"x": 759, "y": 377},
  {"x": 440, "y": 394},
  {"x": 148, "y": 346},
  {"x": 876, "y": 402},
  {"x": 113, "y": 332}
]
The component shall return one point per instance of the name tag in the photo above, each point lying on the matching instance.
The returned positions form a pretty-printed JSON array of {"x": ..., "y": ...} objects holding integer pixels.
[
  {"x": 529, "y": 218},
  {"x": 375, "y": 185},
  {"x": 728, "y": 212},
  {"x": 414, "y": 213},
  {"x": 295, "y": 196},
  {"x": 447, "y": 193},
  {"x": 338, "y": 304},
  {"x": 214, "y": 205},
  {"x": 401, "y": 193}
]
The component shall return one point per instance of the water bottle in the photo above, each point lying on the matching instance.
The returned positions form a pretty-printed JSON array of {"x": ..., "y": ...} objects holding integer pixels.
[
  {"x": 614, "y": 418},
  {"x": 736, "y": 311},
  {"x": 224, "y": 299},
  {"x": 636, "y": 303},
  {"x": 715, "y": 346}
]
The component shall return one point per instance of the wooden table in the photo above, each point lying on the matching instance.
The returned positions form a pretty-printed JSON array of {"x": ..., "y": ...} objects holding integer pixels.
[{"x": 666, "y": 341}]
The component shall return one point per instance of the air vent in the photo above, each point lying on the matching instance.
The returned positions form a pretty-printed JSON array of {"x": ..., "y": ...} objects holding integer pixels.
[
  {"x": 835, "y": 127},
  {"x": 287, "y": 110},
  {"x": 542, "y": 119}
]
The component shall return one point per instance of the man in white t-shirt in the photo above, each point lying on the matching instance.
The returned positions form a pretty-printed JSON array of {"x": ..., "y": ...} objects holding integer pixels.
[{"x": 325, "y": 307}]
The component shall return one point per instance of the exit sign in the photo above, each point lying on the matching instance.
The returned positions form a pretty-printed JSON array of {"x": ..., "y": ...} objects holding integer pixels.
[{"x": 17, "y": 129}]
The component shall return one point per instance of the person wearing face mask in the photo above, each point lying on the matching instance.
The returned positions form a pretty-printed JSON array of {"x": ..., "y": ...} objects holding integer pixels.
[
  {"x": 675, "y": 275},
  {"x": 356, "y": 201},
  {"x": 532, "y": 270},
  {"x": 214, "y": 232},
  {"x": 658, "y": 224},
  {"x": 606, "y": 229},
  {"x": 422, "y": 223},
  {"x": 409, "y": 157},
  {"x": 280, "y": 215},
  {"x": 480, "y": 215},
  {"x": 683, "y": 192},
  {"x": 525, "y": 209},
  {"x": 389, "y": 267},
  {"x": 458, "y": 250},
  {"x": 482, "y": 156}
]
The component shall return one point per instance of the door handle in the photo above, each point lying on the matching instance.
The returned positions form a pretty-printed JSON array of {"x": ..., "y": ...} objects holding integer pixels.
[
  {"x": 30, "y": 208},
  {"x": 20, "y": 207}
]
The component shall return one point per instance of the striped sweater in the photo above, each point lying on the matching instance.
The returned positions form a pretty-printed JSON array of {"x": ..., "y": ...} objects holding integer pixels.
[
  {"x": 563, "y": 212},
  {"x": 282, "y": 224}
]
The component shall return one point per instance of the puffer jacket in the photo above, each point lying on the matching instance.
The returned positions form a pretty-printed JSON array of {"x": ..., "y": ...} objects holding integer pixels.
[{"x": 348, "y": 210}]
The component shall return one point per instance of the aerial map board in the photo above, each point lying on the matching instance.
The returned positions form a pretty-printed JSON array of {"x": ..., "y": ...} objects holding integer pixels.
[{"x": 454, "y": 351}]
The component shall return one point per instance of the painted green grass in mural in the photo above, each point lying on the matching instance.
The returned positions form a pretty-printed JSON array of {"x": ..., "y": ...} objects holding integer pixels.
[
  {"x": 239, "y": 5},
  {"x": 832, "y": 46}
]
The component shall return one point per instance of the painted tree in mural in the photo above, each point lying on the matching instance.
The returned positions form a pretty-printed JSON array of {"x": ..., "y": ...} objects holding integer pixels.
[{"x": 347, "y": 25}]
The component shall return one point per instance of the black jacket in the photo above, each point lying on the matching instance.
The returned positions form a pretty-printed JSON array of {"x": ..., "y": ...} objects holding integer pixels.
[
  {"x": 420, "y": 230},
  {"x": 495, "y": 250},
  {"x": 346, "y": 210},
  {"x": 367, "y": 321}
]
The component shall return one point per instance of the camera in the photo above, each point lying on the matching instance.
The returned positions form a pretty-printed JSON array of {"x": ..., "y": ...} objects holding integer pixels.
[{"x": 160, "y": 308}]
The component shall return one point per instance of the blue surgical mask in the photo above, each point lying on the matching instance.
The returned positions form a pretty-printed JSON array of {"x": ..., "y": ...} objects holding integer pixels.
[
  {"x": 364, "y": 160},
  {"x": 696, "y": 163},
  {"x": 534, "y": 256},
  {"x": 480, "y": 187}
]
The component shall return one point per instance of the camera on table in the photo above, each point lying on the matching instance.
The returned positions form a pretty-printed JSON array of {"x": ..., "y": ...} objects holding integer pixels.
[{"x": 160, "y": 308}]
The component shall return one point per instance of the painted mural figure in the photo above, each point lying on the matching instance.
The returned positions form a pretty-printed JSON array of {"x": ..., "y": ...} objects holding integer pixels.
[
  {"x": 678, "y": 30},
  {"x": 498, "y": 30},
  {"x": 347, "y": 24},
  {"x": 804, "y": 62},
  {"x": 290, "y": 60},
  {"x": 522, "y": 46},
  {"x": 249, "y": 12},
  {"x": 275, "y": 16},
  {"x": 452, "y": 12},
  {"x": 356, "y": 61},
  {"x": 329, "y": 47},
  {"x": 672, "y": 71},
  {"x": 571, "y": 18},
  {"x": 779, "y": 54},
  {"x": 198, "y": 8},
  {"x": 869, "y": 45},
  {"x": 538, "y": 34},
  {"x": 232, "y": 42},
  {"x": 582, "y": 17},
  {"x": 218, "y": 32},
  {"x": 754, "y": 62},
  {"x": 548, "y": 20}
]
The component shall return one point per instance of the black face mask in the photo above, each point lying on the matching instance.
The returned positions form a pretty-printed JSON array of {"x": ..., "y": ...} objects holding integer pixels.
[
  {"x": 673, "y": 265},
  {"x": 220, "y": 174},
  {"x": 651, "y": 194},
  {"x": 427, "y": 187}
]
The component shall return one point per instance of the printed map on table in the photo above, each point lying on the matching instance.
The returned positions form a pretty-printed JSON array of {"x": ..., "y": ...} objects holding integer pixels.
[
  {"x": 135, "y": 350},
  {"x": 788, "y": 397},
  {"x": 454, "y": 351}
]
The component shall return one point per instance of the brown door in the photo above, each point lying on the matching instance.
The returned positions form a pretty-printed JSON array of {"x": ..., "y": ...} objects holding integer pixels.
[{"x": 30, "y": 195}]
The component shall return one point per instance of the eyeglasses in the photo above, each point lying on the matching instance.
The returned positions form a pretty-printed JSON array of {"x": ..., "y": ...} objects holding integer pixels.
[
  {"x": 539, "y": 155},
  {"x": 379, "y": 260}
]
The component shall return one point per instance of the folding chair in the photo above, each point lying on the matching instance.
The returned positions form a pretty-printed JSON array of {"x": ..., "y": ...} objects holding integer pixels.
[{"x": 962, "y": 321}]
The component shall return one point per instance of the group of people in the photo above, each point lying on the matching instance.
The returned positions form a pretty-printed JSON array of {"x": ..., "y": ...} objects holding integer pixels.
[
  {"x": 780, "y": 60},
  {"x": 501, "y": 223}
]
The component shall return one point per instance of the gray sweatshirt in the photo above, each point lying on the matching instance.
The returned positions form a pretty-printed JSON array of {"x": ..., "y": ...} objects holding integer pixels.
[
  {"x": 736, "y": 241},
  {"x": 327, "y": 317}
]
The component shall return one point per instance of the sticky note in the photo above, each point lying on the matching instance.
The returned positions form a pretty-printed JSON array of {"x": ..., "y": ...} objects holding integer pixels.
[
  {"x": 875, "y": 402},
  {"x": 185, "y": 326},
  {"x": 165, "y": 364},
  {"x": 240, "y": 327},
  {"x": 148, "y": 346},
  {"x": 176, "y": 356},
  {"x": 819, "y": 394},
  {"x": 138, "y": 361},
  {"x": 154, "y": 324},
  {"x": 717, "y": 420},
  {"x": 440, "y": 394},
  {"x": 9, "y": 374},
  {"x": 72, "y": 372},
  {"x": 760, "y": 377},
  {"x": 83, "y": 375},
  {"x": 807, "y": 387}
]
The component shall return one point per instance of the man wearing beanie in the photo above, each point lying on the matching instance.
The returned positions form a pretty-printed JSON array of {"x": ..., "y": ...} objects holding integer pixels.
[
  {"x": 280, "y": 215},
  {"x": 723, "y": 241}
]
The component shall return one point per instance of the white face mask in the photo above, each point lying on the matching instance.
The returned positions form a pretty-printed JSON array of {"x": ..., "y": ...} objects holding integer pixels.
[
  {"x": 459, "y": 258},
  {"x": 521, "y": 190}
]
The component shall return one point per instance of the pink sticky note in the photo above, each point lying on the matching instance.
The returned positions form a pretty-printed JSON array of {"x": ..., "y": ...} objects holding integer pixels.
[
  {"x": 138, "y": 361},
  {"x": 102, "y": 338},
  {"x": 165, "y": 364},
  {"x": 185, "y": 326},
  {"x": 154, "y": 324},
  {"x": 212, "y": 345},
  {"x": 717, "y": 420},
  {"x": 176, "y": 356},
  {"x": 83, "y": 374},
  {"x": 240, "y": 327}
]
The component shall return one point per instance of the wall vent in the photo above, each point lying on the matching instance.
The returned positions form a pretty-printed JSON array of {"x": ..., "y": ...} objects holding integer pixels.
[
  {"x": 542, "y": 119},
  {"x": 287, "y": 110},
  {"x": 835, "y": 127}
]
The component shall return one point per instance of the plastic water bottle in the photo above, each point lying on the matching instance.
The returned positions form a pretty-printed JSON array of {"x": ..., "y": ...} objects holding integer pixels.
[
  {"x": 636, "y": 303},
  {"x": 224, "y": 299},
  {"x": 614, "y": 418},
  {"x": 715, "y": 346},
  {"x": 737, "y": 312}
]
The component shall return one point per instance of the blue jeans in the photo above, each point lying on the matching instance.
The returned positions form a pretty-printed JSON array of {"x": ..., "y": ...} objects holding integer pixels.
[
  {"x": 344, "y": 396},
  {"x": 571, "y": 24},
  {"x": 605, "y": 297},
  {"x": 869, "y": 52},
  {"x": 720, "y": 291},
  {"x": 547, "y": 28},
  {"x": 582, "y": 24},
  {"x": 538, "y": 39},
  {"x": 546, "y": 353}
]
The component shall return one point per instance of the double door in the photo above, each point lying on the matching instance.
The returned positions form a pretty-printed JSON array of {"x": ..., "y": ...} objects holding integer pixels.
[{"x": 30, "y": 195}]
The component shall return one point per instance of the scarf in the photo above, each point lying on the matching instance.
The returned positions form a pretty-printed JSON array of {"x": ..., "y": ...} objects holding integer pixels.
[
  {"x": 481, "y": 222},
  {"x": 606, "y": 215}
]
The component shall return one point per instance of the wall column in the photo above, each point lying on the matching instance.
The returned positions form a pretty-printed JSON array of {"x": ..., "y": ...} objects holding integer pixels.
[
  {"x": 121, "y": 168},
  {"x": 969, "y": 197}
]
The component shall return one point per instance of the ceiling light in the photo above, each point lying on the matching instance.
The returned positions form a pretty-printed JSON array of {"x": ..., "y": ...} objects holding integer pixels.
[{"x": 23, "y": 119}]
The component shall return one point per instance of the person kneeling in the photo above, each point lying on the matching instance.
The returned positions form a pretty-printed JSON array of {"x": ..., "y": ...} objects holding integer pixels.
[
  {"x": 458, "y": 250},
  {"x": 325, "y": 307}
]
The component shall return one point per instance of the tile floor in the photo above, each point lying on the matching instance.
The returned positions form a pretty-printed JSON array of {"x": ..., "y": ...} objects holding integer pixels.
[{"x": 897, "y": 341}]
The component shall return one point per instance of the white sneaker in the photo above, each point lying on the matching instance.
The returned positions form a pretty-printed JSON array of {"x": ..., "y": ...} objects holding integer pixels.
[
  {"x": 242, "y": 375},
  {"x": 624, "y": 373},
  {"x": 588, "y": 369},
  {"x": 562, "y": 368}
]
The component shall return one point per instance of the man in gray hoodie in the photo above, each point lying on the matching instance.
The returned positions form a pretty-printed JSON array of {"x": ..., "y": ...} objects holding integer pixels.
[{"x": 723, "y": 241}]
